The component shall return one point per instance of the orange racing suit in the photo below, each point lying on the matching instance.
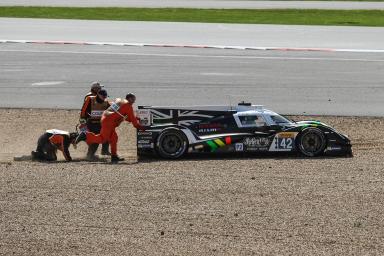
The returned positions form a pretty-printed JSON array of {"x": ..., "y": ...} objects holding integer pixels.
[{"x": 119, "y": 111}]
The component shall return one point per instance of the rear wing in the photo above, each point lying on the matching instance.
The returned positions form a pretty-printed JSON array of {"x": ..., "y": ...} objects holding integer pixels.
[{"x": 179, "y": 116}]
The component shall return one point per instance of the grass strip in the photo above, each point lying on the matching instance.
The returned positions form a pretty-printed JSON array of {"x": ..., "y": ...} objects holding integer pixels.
[{"x": 274, "y": 16}]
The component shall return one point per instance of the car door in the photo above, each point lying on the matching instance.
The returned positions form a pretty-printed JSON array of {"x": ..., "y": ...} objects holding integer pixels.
[
  {"x": 258, "y": 129},
  {"x": 218, "y": 125}
]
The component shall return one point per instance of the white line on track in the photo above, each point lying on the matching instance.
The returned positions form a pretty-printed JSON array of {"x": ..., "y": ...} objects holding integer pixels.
[
  {"x": 199, "y": 56},
  {"x": 227, "y": 47},
  {"x": 47, "y": 83}
]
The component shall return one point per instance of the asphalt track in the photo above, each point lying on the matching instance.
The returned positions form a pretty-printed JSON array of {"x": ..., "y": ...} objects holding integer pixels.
[
  {"x": 324, "y": 82},
  {"x": 217, "y": 4},
  {"x": 181, "y": 33},
  {"x": 50, "y": 76}
]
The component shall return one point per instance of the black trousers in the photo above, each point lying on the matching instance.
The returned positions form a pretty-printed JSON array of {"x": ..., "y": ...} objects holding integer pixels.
[
  {"x": 95, "y": 128},
  {"x": 45, "y": 151}
]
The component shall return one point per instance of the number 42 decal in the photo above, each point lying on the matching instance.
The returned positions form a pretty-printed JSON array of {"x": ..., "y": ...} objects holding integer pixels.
[{"x": 284, "y": 143}]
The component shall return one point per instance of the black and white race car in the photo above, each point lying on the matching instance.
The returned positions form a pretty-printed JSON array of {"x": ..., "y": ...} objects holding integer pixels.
[{"x": 175, "y": 131}]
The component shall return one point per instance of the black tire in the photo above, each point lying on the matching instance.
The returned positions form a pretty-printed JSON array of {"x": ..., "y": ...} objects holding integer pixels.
[
  {"x": 311, "y": 142},
  {"x": 171, "y": 144}
]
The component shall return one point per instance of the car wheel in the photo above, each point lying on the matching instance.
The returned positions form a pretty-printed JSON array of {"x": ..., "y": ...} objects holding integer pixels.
[
  {"x": 171, "y": 144},
  {"x": 312, "y": 142}
]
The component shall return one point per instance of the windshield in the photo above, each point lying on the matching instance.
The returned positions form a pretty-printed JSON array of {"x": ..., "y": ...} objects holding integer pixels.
[{"x": 280, "y": 119}]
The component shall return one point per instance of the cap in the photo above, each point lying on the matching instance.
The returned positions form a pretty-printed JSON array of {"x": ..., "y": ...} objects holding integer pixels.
[
  {"x": 103, "y": 93},
  {"x": 96, "y": 85}
]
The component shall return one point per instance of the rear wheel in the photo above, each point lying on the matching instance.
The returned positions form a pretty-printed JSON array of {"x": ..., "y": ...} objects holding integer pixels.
[
  {"x": 171, "y": 144},
  {"x": 312, "y": 142}
]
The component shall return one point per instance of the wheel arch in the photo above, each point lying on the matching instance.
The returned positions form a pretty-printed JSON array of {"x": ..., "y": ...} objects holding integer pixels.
[
  {"x": 306, "y": 130},
  {"x": 176, "y": 129}
]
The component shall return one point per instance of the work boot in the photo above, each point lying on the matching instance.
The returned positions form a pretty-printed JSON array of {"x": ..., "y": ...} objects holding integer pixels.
[
  {"x": 105, "y": 149},
  {"x": 92, "y": 158},
  {"x": 82, "y": 137},
  {"x": 115, "y": 159},
  {"x": 35, "y": 155},
  {"x": 92, "y": 148}
]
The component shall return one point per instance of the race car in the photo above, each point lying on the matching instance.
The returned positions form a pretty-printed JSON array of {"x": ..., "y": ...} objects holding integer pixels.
[{"x": 172, "y": 132}]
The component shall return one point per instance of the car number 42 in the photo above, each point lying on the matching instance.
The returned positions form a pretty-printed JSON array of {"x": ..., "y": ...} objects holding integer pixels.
[{"x": 284, "y": 143}]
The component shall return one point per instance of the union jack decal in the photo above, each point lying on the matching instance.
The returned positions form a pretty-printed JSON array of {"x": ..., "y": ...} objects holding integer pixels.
[{"x": 179, "y": 117}]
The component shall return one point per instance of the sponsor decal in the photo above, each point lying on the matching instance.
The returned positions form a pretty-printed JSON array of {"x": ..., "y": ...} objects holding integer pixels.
[
  {"x": 144, "y": 116},
  {"x": 145, "y": 138},
  {"x": 254, "y": 142},
  {"x": 257, "y": 149},
  {"x": 286, "y": 134},
  {"x": 143, "y": 112},
  {"x": 208, "y": 130},
  {"x": 145, "y": 145},
  {"x": 140, "y": 133},
  {"x": 333, "y": 148},
  {"x": 239, "y": 147},
  {"x": 212, "y": 145},
  {"x": 218, "y": 143},
  {"x": 96, "y": 113},
  {"x": 145, "y": 122},
  {"x": 143, "y": 141},
  {"x": 210, "y": 127}
]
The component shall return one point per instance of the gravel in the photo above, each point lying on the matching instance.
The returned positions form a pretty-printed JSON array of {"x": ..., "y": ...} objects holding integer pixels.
[{"x": 209, "y": 206}]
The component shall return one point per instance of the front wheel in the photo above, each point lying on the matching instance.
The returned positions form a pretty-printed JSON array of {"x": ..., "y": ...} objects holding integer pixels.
[
  {"x": 171, "y": 144},
  {"x": 311, "y": 142}
]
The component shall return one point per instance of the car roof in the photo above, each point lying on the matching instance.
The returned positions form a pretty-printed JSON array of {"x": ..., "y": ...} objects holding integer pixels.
[
  {"x": 262, "y": 111},
  {"x": 237, "y": 108}
]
